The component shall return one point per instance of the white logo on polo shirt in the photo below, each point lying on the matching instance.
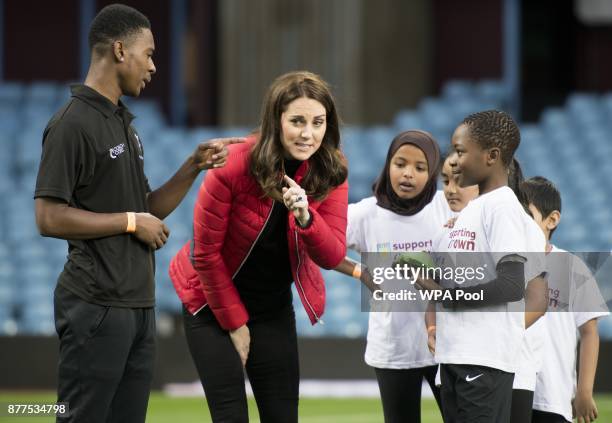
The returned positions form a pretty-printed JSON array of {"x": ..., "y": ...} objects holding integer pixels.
[
  {"x": 140, "y": 156},
  {"x": 117, "y": 150},
  {"x": 470, "y": 379}
]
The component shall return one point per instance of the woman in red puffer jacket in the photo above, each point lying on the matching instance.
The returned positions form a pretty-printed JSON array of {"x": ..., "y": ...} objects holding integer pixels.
[{"x": 270, "y": 217}]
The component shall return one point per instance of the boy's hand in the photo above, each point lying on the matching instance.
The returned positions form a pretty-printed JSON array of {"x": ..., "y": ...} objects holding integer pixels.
[
  {"x": 431, "y": 340},
  {"x": 584, "y": 408},
  {"x": 213, "y": 154}
]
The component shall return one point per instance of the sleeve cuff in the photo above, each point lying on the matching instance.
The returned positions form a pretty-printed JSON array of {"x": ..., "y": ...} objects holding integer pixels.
[
  {"x": 232, "y": 318},
  {"x": 307, "y": 225},
  {"x": 54, "y": 193}
]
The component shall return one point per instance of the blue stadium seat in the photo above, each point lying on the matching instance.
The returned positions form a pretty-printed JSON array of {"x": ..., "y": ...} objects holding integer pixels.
[
  {"x": 458, "y": 90},
  {"x": 465, "y": 107},
  {"x": 37, "y": 322},
  {"x": 203, "y": 133},
  {"x": 10, "y": 123},
  {"x": 570, "y": 145},
  {"x": 168, "y": 301},
  {"x": 582, "y": 103},
  {"x": 42, "y": 94},
  {"x": 63, "y": 95},
  {"x": 605, "y": 327},
  {"x": 493, "y": 91},
  {"x": 437, "y": 115},
  {"x": 235, "y": 131},
  {"x": 360, "y": 187},
  {"x": 8, "y": 326},
  {"x": 407, "y": 119},
  {"x": 554, "y": 118},
  {"x": 7, "y": 296},
  {"x": 344, "y": 319},
  {"x": 11, "y": 93}
]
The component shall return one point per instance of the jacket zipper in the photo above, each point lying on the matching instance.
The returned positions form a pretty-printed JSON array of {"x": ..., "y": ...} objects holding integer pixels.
[
  {"x": 255, "y": 242},
  {"x": 245, "y": 258},
  {"x": 297, "y": 279}
]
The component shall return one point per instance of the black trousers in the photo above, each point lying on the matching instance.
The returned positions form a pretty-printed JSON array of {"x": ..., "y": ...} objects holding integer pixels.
[
  {"x": 400, "y": 392},
  {"x": 545, "y": 417},
  {"x": 272, "y": 367},
  {"x": 522, "y": 403},
  {"x": 106, "y": 359},
  {"x": 475, "y": 394}
]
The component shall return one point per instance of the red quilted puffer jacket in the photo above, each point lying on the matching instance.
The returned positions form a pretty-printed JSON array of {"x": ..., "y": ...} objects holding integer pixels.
[{"x": 229, "y": 215}]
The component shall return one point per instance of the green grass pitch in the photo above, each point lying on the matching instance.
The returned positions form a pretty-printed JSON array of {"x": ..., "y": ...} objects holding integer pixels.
[{"x": 163, "y": 409}]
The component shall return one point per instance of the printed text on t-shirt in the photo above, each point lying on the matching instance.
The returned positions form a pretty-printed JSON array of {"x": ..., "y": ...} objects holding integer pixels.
[{"x": 462, "y": 239}]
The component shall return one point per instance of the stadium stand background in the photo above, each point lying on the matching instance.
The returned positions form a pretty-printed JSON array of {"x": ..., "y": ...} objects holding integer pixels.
[
  {"x": 393, "y": 65},
  {"x": 29, "y": 264}
]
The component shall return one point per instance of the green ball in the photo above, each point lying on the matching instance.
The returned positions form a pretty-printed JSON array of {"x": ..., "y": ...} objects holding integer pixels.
[{"x": 415, "y": 259}]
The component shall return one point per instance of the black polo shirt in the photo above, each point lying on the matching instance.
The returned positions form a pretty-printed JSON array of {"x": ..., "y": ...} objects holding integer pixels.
[{"x": 92, "y": 158}]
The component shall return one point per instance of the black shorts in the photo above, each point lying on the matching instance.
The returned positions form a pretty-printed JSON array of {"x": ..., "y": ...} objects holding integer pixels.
[
  {"x": 522, "y": 403},
  {"x": 475, "y": 394},
  {"x": 546, "y": 417}
]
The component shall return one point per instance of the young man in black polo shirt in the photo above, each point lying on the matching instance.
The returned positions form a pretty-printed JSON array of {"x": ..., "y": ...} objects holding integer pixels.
[{"x": 92, "y": 191}]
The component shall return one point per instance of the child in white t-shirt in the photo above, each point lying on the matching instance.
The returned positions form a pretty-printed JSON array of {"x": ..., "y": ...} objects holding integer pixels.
[
  {"x": 405, "y": 214},
  {"x": 457, "y": 198},
  {"x": 478, "y": 339},
  {"x": 536, "y": 297},
  {"x": 575, "y": 304},
  {"x": 530, "y": 355}
]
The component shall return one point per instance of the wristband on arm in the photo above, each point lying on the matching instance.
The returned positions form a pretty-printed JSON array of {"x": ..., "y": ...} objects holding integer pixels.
[{"x": 131, "y": 223}]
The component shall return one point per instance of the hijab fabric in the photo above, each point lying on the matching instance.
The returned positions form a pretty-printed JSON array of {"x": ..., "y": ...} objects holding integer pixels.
[{"x": 383, "y": 191}]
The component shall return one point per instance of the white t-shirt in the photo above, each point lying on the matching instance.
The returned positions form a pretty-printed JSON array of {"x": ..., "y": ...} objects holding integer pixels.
[
  {"x": 530, "y": 359},
  {"x": 396, "y": 340},
  {"x": 556, "y": 381},
  {"x": 492, "y": 224}
]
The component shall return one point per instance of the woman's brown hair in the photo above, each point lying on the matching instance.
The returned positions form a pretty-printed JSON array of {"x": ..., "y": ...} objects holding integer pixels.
[{"x": 327, "y": 167}]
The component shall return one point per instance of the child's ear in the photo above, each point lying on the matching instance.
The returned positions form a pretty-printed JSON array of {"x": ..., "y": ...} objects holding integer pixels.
[
  {"x": 493, "y": 155},
  {"x": 553, "y": 219}
]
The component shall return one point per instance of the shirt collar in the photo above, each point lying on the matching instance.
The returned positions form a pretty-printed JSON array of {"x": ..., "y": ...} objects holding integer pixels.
[{"x": 101, "y": 103}]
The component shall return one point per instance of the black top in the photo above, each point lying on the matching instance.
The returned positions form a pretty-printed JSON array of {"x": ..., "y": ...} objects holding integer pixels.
[
  {"x": 93, "y": 159},
  {"x": 264, "y": 281}
]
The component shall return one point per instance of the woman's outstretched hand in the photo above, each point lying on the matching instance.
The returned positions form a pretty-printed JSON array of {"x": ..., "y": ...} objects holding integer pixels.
[{"x": 295, "y": 199}]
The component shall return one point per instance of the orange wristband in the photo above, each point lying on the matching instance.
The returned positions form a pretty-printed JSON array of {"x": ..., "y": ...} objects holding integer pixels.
[
  {"x": 131, "y": 225},
  {"x": 357, "y": 271}
]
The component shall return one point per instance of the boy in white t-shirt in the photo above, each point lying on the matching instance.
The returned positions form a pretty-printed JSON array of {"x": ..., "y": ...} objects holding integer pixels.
[
  {"x": 478, "y": 340},
  {"x": 536, "y": 302},
  {"x": 575, "y": 304},
  {"x": 535, "y": 295},
  {"x": 457, "y": 198}
]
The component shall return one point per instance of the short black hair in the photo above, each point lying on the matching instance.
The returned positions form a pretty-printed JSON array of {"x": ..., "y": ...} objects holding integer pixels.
[
  {"x": 115, "y": 21},
  {"x": 543, "y": 194},
  {"x": 494, "y": 128}
]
